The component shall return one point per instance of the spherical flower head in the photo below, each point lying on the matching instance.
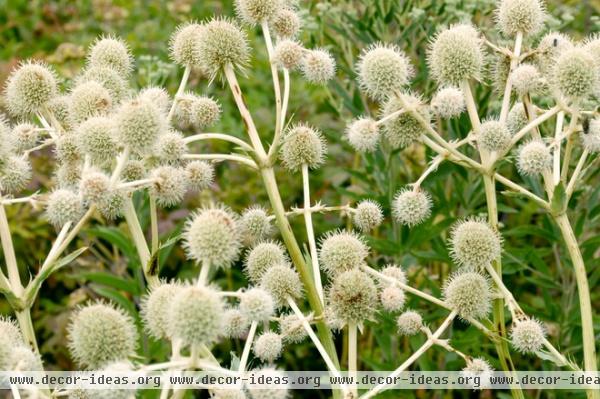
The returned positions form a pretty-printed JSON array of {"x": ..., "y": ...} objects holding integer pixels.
[
  {"x": 576, "y": 75},
  {"x": 183, "y": 45},
  {"x": 110, "y": 79},
  {"x": 256, "y": 304},
  {"x": 394, "y": 272},
  {"x": 89, "y": 99},
  {"x": 68, "y": 148},
  {"x": 111, "y": 52},
  {"x": 199, "y": 175},
  {"x": 96, "y": 139},
  {"x": 94, "y": 186},
  {"x": 15, "y": 174},
  {"x": 63, "y": 206},
  {"x": 282, "y": 283},
  {"x": 456, "y": 55},
  {"x": 367, "y": 215},
  {"x": 392, "y": 299},
  {"x": 363, "y": 135},
  {"x": 533, "y": 158},
  {"x": 448, "y": 102},
  {"x": 404, "y": 129},
  {"x": 212, "y": 236},
  {"x": 342, "y": 251},
  {"x": 527, "y": 336},
  {"x": 10, "y": 337},
  {"x": 255, "y": 12},
  {"x": 469, "y": 294},
  {"x": 235, "y": 323},
  {"x": 22, "y": 358},
  {"x": 157, "y": 96},
  {"x": 411, "y": 207},
  {"x": 255, "y": 225},
  {"x": 286, "y": 23},
  {"x": 549, "y": 48},
  {"x": 526, "y": 79},
  {"x": 60, "y": 106},
  {"x": 318, "y": 66},
  {"x": 263, "y": 388},
  {"x": 99, "y": 334},
  {"x": 291, "y": 329},
  {"x": 525, "y": 16},
  {"x": 156, "y": 307},
  {"x": 353, "y": 296},
  {"x": 169, "y": 186},
  {"x": 517, "y": 118},
  {"x": 139, "y": 124},
  {"x": 288, "y": 54},
  {"x": 591, "y": 138},
  {"x": 221, "y": 43},
  {"x": 261, "y": 258},
  {"x": 409, "y": 323},
  {"x": 68, "y": 175},
  {"x": 25, "y": 136},
  {"x": 473, "y": 243},
  {"x": 193, "y": 111},
  {"x": 302, "y": 145},
  {"x": 29, "y": 88},
  {"x": 170, "y": 148},
  {"x": 196, "y": 316},
  {"x": 268, "y": 346},
  {"x": 478, "y": 368},
  {"x": 383, "y": 69},
  {"x": 134, "y": 169},
  {"x": 493, "y": 135},
  {"x": 113, "y": 203}
]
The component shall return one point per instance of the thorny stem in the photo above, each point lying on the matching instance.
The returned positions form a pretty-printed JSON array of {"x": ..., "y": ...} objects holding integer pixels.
[
  {"x": 414, "y": 357},
  {"x": 311, "y": 233}
]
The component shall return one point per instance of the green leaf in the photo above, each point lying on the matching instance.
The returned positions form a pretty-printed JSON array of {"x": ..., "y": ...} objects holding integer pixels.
[
  {"x": 559, "y": 199},
  {"x": 110, "y": 280}
]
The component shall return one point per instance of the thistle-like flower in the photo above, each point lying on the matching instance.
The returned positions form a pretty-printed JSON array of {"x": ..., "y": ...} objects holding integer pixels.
[
  {"x": 526, "y": 79},
  {"x": 235, "y": 323},
  {"x": 262, "y": 257},
  {"x": 139, "y": 123},
  {"x": 517, "y": 118},
  {"x": 96, "y": 139},
  {"x": 282, "y": 283},
  {"x": 448, "y": 102},
  {"x": 286, "y": 23},
  {"x": 63, "y": 206},
  {"x": 99, "y": 334},
  {"x": 255, "y": 12},
  {"x": 392, "y": 298},
  {"x": 533, "y": 158},
  {"x": 183, "y": 45},
  {"x": 288, "y": 54},
  {"x": 527, "y": 336},
  {"x": 302, "y": 145},
  {"x": 199, "y": 175},
  {"x": 255, "y": 225},
  {"x": 367, "y": 215},
  {"x": 113, "y": 53},
  {"x": 342, "y": 251},
  {"x": 268, "y": 346},
  {"x": 469, "y": 294},
  {"x": 353, "y": 296},
  {"x": 291, "y": 329},
  {"x": 156, "y": 307},
  {"x": 169, "y": 186},
  {"x": 525, "y": 16},
  {"x": 383, "y": 69},
  {"x": 221, "y": 43},
  {"x": 473, "y": 243},
  {"x": 212, "y": 235},
  {"x": 29, "y": 88},
  {"x": 409, "y": 323},
  {"x": 363, "y": 134},
  {"x": 493, "y": 135},
  {"x": 576, "y": 75},
  {"x": 318, "y": 66},
  {"x": 89, "y": 99},
  {"x": 411, "y": 207},
  {"x": 256, "y": 304},
  {"x": 404, "y": 129}
]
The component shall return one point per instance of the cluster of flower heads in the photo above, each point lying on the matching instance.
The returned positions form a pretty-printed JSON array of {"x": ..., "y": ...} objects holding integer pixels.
[{"x": 15, "y": 353}]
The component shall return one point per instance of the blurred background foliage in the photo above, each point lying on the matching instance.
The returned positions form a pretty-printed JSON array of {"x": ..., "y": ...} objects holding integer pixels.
[{"x": 536, "y": 267}]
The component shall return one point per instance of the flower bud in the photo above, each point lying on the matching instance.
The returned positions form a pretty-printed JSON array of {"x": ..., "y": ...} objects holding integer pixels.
[
  {"x": 212, "y": 235},
  {"x": 256, "y": 304},
  {"x": 99, "y": 334},
  {"x": 411, "y": 207},
  {"x": 533, "y": 158},
  {"x": 526, "y": 79},
  {"x": 89, "y": 99},
  {"x": 156, "y": 307},
  {"x": 288, "y": 54},
  {"x": 493, "y": 136},
  {"x": 302, "y": 145},
  {"x": 63, "y": 206},
  {"x": 363, "y": 135},
  {"x": 170, "y": 148},
  {"x": 134, "y": 169},
  {"x": 409, "y": 323},
  {"x": 282, "y": 282},
  {"x": 473, "y": 243},
  {"x": 469, "y": 294},
  {"x": 113, "y": 203},
  {"x": 576, "y": 75},
  {"x": 342, "y": 251},
  {"x": 196, "y": 316},
  {"x": 383, "y": 69},
  {"x": 25, "y": 136},
  {"x": 367, "y": 215},
  {"x": 15, "y": 174},
  {"x": 448, "y": 102},
  {"x": 353, "y": 296},
  {"x": 318, "y": 66},
  {"x": 111, "y": 52},
  {"x": 286, "y": 23},
  {"x": 255, "y": 225},
  {"x": 139, "y": 123},
  {"x": 527, "y": 336},
  {"x": 525, "y": 16},
  {"x": 183, "y": 45},
  {"x": 262, "y": 257},
  {"x": 199, "y": 175},
  {"x": 392, "y": 298},
  {"x": 221, "y": 43},
  {"x": 29, "y": 88},
  {"x": 96, "y": 139}
]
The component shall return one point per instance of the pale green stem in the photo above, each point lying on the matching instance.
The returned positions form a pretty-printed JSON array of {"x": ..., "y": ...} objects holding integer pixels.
[
  {"x": 275, "y": 75},
  {"x": 219, "y": 136},
  {"x": 153, "y": 223},
  {"x": 311, "y": 233},
  {"x": 353, "y": 354},
  {"x": 139, "y": 241},
  {"x": 204, "y": 272},
  {"x": 223, "y": 157},
  {"x": 248, "y": 346},
  {"x": 577, "y": 172},
  {"x": 560, "y": 118},
  {"x": 583, "y": 289},
  {"x": 569, "y": 147},
  {"x": 414, "y": 357},
  {"x": 9, "y": 254},
  {"x": 508, "y": 88},
  {"x": 180, "y": 90}
]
